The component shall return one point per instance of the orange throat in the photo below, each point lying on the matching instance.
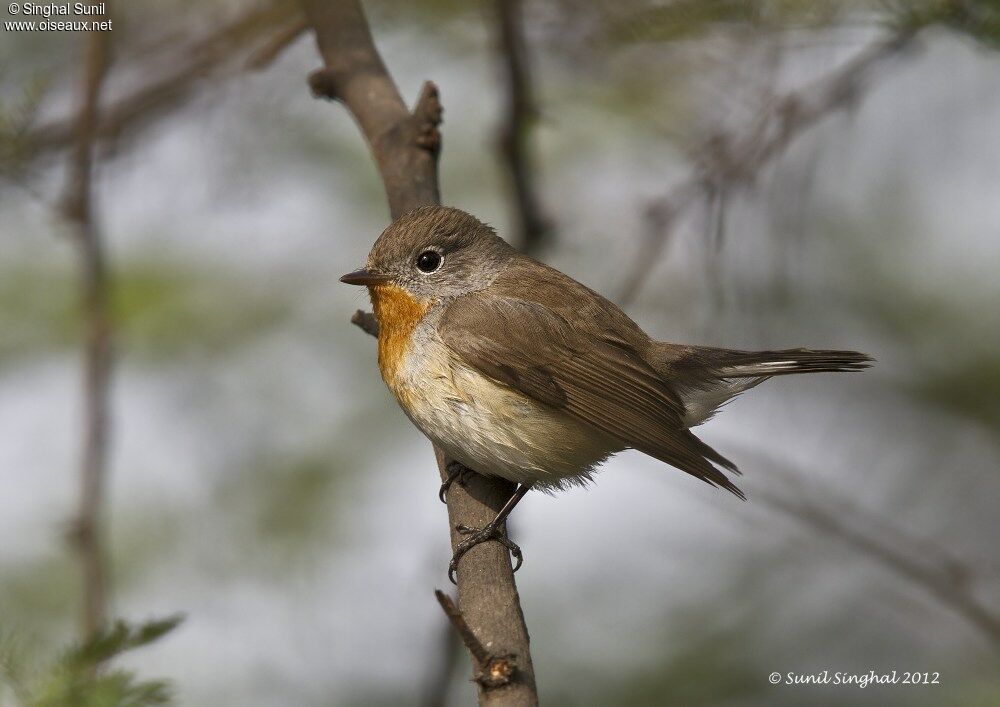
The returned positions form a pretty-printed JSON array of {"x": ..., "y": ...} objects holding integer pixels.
[{"x": 398, "y": 313}]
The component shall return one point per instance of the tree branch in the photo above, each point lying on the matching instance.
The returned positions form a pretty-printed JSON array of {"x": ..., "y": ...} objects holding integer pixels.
[
  {"x": 166, "y": 89},
  {"x": 494, "y": 670},
  {"x": 87, "y": 533},
  {"x": 265, "y": 55},
  {"x": 405, "y": 147},
  {"x": 366, "y": 322},
  {"x": 520, "y": 112},
  {"x": 723, "y": 161},
  {"x": 933, "y": 570}
]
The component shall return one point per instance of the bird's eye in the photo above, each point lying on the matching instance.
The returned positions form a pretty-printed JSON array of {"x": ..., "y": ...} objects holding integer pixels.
[{"x": 428, "y": 261}]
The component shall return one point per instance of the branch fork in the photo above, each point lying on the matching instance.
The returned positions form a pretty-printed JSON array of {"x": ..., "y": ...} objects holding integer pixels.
[
  {"x": 495, "y": 670},
  {"x": 405, "y": 145}
]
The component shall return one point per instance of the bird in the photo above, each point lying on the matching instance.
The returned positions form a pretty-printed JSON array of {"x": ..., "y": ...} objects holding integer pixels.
[{"x": 514, "y": 369}]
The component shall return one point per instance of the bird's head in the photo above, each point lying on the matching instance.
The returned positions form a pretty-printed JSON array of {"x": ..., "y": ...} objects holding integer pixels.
[{"x": 434, "y": 253}]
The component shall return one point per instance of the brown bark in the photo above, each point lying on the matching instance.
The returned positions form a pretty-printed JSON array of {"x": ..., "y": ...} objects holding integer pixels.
[
  {"x": 88, "y": 528},
  {"x": 519, "y": 113},
  {"x": 405, "y": 147}
]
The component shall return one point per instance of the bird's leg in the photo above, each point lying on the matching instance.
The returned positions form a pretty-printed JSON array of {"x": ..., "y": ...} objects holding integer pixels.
[
  {"x": 456, "y": 472},
  {"x": 494, "y": 531}
]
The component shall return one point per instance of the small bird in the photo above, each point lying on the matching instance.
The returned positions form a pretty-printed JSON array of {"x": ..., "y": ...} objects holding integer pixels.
[{"x": 516, "y": 370}]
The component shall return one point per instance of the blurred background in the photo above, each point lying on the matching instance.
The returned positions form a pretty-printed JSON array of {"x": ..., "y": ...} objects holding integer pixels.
[{"x": 757, "y": 174}]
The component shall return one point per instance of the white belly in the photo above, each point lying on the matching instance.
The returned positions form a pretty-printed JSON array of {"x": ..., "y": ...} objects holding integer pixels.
[{"x": 493, "y": 429}]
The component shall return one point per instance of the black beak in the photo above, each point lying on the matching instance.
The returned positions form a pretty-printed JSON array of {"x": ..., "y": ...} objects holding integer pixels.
[{"x": 364, "y": 277}]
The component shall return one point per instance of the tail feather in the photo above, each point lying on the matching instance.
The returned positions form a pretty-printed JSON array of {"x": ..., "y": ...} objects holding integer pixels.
[
  {"x": 707, "y": 378},
  {"x": 751, "y": 364}
]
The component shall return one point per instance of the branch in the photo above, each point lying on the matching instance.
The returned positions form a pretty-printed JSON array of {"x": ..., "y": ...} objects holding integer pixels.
[
  {"x": 87, "y": 531},
  {"x": 520, "y": 112},
  {"x": 494, "y": 670},
  {"x": 932, "y": 569},
  {"x": 366, "y": 322},
  {"x": 439, "y": 677},
  {"x": 724, "y": 161},
  {"x": 264, "y": 56},
  {"x": 491, "y": 670},
  {"x": 164, "y": 90},
  {"x": 405, "y": 147}
]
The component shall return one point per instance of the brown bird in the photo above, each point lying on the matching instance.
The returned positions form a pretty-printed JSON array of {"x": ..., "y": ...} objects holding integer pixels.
[{"x": 516, "y": 370}]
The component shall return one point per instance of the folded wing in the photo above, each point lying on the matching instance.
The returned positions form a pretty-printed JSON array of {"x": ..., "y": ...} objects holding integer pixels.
[{"x": 605, "y": 383}]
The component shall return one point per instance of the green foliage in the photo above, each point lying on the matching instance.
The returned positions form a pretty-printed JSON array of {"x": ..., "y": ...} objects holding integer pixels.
[
  {"x": 710, "y": 666},
  {"x": 690, "y": 19},
  {"x": 163, "y": 311},
  {"x": 41, "y": 591},
  {"x": 979, "y": 19},
  {"x": 968, "y": 386},
  {"x": 686, "y": 19},
  {"x": 81, "y": 677},
  {"x": 159, "y": 310},
  {"x": 284, "y": 506},
  {"x": 949, "y": 333}
]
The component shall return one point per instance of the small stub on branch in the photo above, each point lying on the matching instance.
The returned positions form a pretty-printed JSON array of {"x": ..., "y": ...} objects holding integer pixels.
[
  {"x": 427, "y": 114},
  {"x": 366, "y": 321},
  {"x": 494, "y": 670},
  {"x": 497, "y": 673},
  {"x": 322, "y": 84}
]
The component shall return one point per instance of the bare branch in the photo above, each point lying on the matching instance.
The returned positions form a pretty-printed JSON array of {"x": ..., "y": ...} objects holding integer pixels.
[
  {"x": 520, "y": 112},
  {"x": 355, "y": 75},
  {"x": 87, "y": 532},
  {"x": 264, "y": 56},
  {"x": 735, "y": 160},
  {"x": 164, "y": 89},
  {"x": 932, "y": 569},
  {"x": 439, "y": 676},
  {"x": 494, "y": 670},
  {"x": 366, "y": 322},
  {"x": 405, "y": 147}
]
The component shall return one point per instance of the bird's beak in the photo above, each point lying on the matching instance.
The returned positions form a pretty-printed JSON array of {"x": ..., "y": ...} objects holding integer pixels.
[{"x": 364, "y": 277}]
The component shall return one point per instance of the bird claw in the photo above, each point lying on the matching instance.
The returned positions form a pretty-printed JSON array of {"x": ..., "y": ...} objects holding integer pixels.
[
  {"x": 477, "y": 536},
  {"x": 456, "y": 472}
]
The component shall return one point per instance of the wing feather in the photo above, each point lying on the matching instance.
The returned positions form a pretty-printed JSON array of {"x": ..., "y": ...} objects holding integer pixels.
[{"x": 604, "y": 383}]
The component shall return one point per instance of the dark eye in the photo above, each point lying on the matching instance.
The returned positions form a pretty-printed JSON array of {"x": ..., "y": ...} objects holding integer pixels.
[{"x": 428, "y": 261}]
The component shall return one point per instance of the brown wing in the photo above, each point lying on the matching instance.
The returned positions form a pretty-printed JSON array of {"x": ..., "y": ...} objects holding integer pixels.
[{"x": 603, "y": 381}]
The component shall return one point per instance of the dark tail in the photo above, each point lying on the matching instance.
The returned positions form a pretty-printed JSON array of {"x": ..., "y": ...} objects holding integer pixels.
[
  {"x": 725, "y": 363},
  {"x": 707, "y": 378}
]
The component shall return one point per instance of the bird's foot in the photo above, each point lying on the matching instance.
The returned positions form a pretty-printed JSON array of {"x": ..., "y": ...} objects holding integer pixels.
[
  {"x": 477, "y": 536},
  {"x": 456, "y": 472}
]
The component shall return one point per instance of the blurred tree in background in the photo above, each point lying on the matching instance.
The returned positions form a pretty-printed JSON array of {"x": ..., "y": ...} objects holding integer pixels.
[{"x": 750, "y": 174}]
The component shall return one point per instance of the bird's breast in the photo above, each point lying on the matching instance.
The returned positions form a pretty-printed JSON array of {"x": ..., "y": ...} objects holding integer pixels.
[{"x": 398, "y": 313}]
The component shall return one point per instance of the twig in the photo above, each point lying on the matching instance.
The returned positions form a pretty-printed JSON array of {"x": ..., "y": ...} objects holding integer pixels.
[
  {"x": 405, "y": 147},
  {"x": 439, "y": 676},
  {"x": 366, "y": 321},
  {"x": 87, "y": 532},
  {"x": 169, "y": 89},
  {"x": 282, "y": 39},
  {"x": 494, "y": 670},
  {"x": 724, "y": 160},
  {"x": 520, "y": 112},
  {"x": 932, "y": 569}
]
